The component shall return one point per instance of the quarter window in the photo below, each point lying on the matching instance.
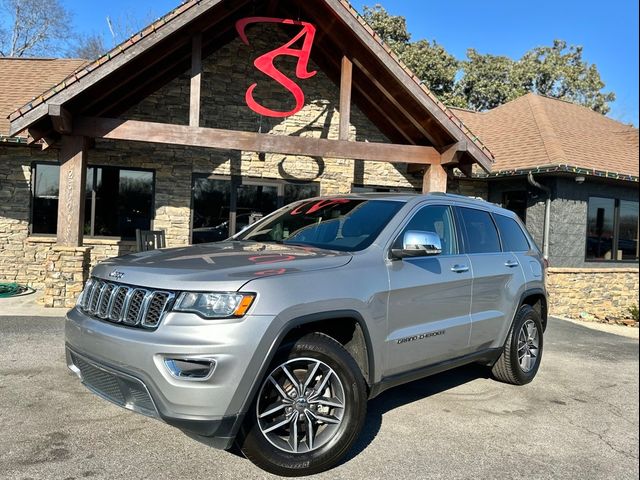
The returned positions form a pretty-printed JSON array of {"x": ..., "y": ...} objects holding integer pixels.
[
  {"x": 513, "y": 238},
  {"x": 480, "y": 232}
]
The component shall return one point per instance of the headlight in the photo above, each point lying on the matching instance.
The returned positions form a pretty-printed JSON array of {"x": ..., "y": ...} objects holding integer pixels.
[{"x": 215, "y": 305}]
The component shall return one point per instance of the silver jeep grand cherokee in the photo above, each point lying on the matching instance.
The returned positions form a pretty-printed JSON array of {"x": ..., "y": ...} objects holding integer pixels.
[{"x": 276, "y": 338}]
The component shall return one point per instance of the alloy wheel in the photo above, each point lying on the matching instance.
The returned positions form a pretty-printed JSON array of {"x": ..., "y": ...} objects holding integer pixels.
[
  {"x": 301, "y": 405},
  {"x": 528, "y": 346}
]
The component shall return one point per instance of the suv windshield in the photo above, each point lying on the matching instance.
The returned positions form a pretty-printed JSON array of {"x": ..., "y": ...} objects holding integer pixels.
[{"x": 342, "y": 224}]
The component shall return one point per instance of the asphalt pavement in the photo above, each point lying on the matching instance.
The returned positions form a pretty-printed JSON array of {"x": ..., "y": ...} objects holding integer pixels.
[{"x": 578, "y": 419}]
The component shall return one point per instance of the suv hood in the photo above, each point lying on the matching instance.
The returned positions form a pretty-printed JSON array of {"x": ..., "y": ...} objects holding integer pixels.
[{"x": 224, "y": 266}]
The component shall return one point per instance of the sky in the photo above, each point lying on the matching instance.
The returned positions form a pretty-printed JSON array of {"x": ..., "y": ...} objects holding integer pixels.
[{"x": 608, "y": 31}]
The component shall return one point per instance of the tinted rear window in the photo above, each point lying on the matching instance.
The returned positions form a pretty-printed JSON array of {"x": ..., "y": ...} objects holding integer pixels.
[
  {"x": 513, "y": 238},
  {"x": 481, "y": 233}
]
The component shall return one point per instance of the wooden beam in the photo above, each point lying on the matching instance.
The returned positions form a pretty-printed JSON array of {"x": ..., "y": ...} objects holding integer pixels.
[
  {"x": 396, "y": 103},
  {"x": 435, "y": 179},
  {"x": 71, "y": 200},
  {"x": 196, "y": 81},
  {"x": 132, "y": 130},
  {"x": 346, "y": 82},
  {"x": 60, "y": 118},
  {"x": 453, "y": 153}
]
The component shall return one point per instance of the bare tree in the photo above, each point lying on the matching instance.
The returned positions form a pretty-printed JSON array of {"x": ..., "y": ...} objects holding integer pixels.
[
  {"x": 33, "y": 28},
  {"x": 89, "y": 47}
]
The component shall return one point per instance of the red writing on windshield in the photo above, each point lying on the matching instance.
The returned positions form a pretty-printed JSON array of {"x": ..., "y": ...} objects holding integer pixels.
[
  {"x": 266, "y": 63},
  {"x": 317, "y": 206}
]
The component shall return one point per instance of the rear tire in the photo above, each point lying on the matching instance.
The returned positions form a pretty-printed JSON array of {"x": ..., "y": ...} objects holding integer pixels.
[
  {"x": 520, "y": 360},
  {"x": 317, "y": 397}
]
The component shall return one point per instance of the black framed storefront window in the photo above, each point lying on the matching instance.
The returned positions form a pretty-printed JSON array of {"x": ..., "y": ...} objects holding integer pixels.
[
  {"x": 118, "y": 201},
  {"x": 223, "y": 206},
  {"x": 612, "y": 230}
]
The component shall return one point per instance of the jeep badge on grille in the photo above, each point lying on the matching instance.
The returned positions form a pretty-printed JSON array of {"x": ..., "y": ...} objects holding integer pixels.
[{"x": 116, "y": 274}]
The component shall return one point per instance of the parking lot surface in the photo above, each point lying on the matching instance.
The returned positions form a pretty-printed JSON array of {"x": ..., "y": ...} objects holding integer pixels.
[{"x": 578, "y": 419}]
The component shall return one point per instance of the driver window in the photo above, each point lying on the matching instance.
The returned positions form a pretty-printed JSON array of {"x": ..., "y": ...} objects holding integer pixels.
[{"x": 436, "y": 219}]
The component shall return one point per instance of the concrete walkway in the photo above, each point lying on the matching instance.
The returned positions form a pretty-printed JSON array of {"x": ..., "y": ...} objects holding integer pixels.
[{"x": 28, "y": 306}]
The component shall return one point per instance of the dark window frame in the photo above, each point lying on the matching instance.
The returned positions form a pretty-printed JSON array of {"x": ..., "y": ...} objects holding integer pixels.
[
  {"x": 465, "y": 234},
  {"x": 236, "y": 181},
  {"x": 616, "y": 231},
  {"x": 457, "y": 233},
  {"x": 34, "y": 166},
  {"x": 518, "y": 225}
]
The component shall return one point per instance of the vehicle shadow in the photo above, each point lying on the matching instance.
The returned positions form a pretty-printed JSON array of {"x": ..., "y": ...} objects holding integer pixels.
[
  {"x": 392, "y": 399},
  {"x": 409, "y": 393}
]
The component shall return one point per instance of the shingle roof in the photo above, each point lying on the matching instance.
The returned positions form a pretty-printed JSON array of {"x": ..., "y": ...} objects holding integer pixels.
[
  {"x": 537, "y": 132},
  {"x": 22, "y": 79}
]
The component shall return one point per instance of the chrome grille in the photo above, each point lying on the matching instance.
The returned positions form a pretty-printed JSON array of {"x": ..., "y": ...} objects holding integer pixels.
[{"x": 117, "y": 303}]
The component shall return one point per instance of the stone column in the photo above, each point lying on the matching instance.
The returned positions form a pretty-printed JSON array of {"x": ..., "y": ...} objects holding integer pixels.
[{"x": 67, "y": 270}]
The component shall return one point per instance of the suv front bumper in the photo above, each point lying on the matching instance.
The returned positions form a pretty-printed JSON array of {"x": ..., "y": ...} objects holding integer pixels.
[{"x": 127, "y": 367}]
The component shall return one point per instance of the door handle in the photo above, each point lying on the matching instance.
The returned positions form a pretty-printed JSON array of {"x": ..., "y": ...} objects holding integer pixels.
[
  {"x": 512, "y": 264},
  {"x": 459, "y": 269}
]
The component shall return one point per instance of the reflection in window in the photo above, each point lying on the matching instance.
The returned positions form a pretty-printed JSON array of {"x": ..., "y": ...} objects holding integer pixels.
[
  {"x": 482, "y": 236},
  {"x": 46, "y": 181},
  {"x": 612, "y": 230},
  {"x": 117, "y": 201},
  {"x": 435, "y": 219},
  {"x": 600, "y": 228},
  {"x": 222, "y": 207}
]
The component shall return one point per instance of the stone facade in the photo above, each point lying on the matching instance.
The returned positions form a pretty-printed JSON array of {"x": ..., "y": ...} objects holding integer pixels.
[
  {"x": 67, "y": 271},
  {"x": 593, "y": 293}
]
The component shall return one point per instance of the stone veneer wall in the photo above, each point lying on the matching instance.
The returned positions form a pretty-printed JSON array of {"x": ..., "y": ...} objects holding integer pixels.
[{"x": 597, "y": 294}]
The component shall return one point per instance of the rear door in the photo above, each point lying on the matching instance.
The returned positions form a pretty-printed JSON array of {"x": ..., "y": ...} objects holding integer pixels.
[
  {"x": 497, "y": 279},
  {"x": 429, "y": 298}
]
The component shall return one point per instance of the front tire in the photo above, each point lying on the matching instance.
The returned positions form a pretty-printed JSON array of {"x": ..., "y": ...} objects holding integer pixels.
[
  {"x": 309, "y": 409},
  {"x": 520, "y": 360}
]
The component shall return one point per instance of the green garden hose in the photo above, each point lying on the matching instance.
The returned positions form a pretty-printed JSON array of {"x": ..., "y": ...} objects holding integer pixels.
[{"x": 11, "y": 290}]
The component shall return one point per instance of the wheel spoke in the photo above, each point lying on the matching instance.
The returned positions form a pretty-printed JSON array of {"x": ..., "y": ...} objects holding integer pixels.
[
  {"x": 292, "y": 379},
  {"x": 323, "y": 384},
  {"x": 277, "y": 425},
  {"x": 327, "y": 419},
  {"x": 276, "y": 407},
  {"x": 282, "y": 393},
  {"x": 328, "y": 402},
  {"x": 310, "y": 433},
  {"x": 310, "y": 377},
  {"x": 293, "y": 435}
]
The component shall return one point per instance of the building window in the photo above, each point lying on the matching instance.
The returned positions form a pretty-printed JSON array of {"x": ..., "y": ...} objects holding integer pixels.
[
  {"x": 118, "y": 201},
  {"x": 516, "y": 202},
  {"x": 223, "y": 206},
  {"x": 612, "y": 230}
]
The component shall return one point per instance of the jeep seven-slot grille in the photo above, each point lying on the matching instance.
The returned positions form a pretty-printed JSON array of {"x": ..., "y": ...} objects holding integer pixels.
[{"x": 131, "y": 306}]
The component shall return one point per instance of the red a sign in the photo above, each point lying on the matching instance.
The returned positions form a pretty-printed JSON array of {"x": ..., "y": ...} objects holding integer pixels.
[{"x": 265, "y": 63}]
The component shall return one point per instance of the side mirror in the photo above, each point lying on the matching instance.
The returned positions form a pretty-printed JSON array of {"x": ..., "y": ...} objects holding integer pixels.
[{"x": 419, "y": 244}]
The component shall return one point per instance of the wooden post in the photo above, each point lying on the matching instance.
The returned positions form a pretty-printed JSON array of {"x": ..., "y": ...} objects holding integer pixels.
[
  {"x": 71, "y": 199},
  {"x": 196, "y": 81},
  {"x": 435, "y": 179},
  {"x": 346, "y": 80}
]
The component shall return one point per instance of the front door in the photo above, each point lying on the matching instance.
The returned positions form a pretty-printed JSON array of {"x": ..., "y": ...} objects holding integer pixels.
[{"x": 429, "y": 298}]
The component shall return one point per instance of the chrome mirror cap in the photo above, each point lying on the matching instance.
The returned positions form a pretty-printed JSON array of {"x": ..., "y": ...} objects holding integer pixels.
[{"x": 419, "y": 244}]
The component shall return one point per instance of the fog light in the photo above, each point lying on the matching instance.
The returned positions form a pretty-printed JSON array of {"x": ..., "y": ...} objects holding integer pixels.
[{"x": 190, "y": 368}]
